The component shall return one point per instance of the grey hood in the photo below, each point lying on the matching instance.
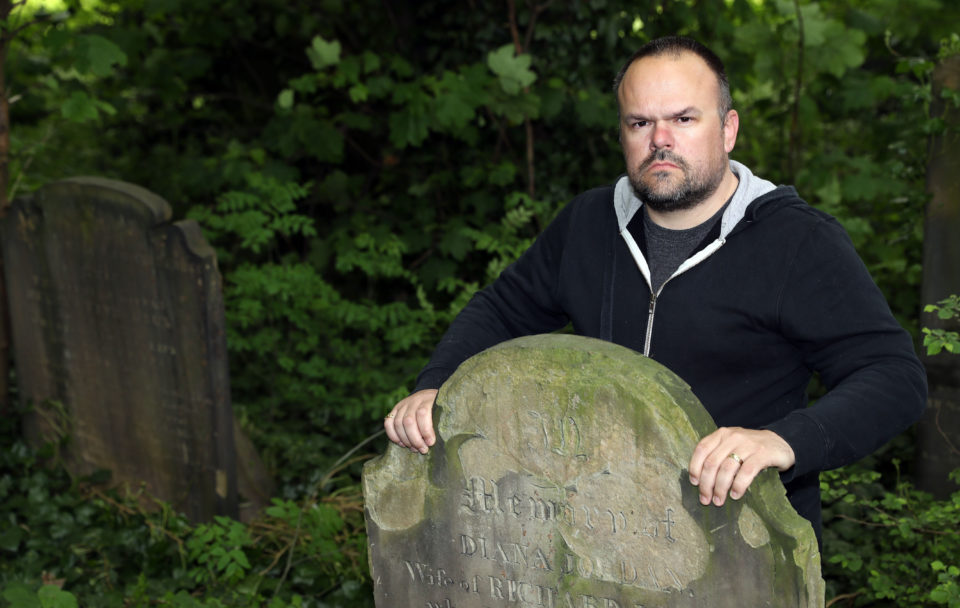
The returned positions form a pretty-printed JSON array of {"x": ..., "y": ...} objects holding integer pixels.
[{"x": 750, "y": 187}]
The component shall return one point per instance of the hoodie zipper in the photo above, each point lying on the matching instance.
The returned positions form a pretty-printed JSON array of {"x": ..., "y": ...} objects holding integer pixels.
[
  {"x": 649, "y": 336},
  {"x": 645, "y": 271}
]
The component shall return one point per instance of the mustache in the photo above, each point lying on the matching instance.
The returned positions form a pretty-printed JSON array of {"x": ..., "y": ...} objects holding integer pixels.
[{"x": 663, "y": 155}]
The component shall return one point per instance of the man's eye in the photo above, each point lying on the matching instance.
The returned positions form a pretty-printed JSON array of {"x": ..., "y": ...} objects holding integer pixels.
[
  {"x": 684, "y": 119},
  {"x": 640, "y": 123}
]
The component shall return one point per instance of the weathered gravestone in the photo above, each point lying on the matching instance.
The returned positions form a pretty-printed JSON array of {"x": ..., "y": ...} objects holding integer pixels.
[
  {"x": 117, "y": 320},
  {"x": 559, "y": 480}
]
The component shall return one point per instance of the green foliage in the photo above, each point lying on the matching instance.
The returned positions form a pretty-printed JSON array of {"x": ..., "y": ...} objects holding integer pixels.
[
  {"x": 68, "y": 540},
  {"x": 889, "y": 547},
  {"x": 512, "y": 70},
  {"x": 362, "y": 172},
  {"x": 937, "y": 340},
  {"x": 218, "y": 550},
  {"x": 48, "y": 596}
]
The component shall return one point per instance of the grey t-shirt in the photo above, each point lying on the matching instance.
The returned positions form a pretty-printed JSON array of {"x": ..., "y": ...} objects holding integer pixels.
[{"x": 667, "y": 249}]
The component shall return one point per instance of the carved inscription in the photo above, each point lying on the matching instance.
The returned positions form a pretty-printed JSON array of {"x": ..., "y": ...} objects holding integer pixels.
[
  {"x": 485, "y": 497},
  {"x": 560, "y": 435},
  {"x": 504, "y": 590}
]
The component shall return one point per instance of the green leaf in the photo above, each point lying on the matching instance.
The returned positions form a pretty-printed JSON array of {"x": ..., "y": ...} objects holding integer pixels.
[
  {"x": 453, "y": 111},
  {"x": 285, "y": 99},
  {"x": 322, "y": 53},
  {"x": 513, "y": 70},
  {"x": 409, "y": 127},
  {"x": 55, "y": 597},
  {"x": 21, "y": 596},
  {"x": 105, "y": 107},
  {"x": 97, "y": 55},
  {"x": 358, "y": 93},
  {"x": 371, "y": 62},
  {"x": 79, "y": 108},
  {"x": 10, "y": 538},
  {"x": 320, "y": 138}
]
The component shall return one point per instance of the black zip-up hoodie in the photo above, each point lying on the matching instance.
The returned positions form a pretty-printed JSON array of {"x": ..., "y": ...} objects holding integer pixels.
[{"x": 775, "y": 293}]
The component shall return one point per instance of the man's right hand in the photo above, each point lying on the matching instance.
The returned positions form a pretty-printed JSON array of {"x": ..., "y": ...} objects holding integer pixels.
[{"x": 410, "y": 423}]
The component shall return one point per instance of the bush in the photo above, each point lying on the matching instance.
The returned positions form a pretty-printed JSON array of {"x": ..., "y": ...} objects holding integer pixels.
[{"x": 66, "y": 540}]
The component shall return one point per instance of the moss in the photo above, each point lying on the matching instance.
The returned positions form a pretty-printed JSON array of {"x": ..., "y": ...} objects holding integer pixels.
[{"x": 535, "y": 406}]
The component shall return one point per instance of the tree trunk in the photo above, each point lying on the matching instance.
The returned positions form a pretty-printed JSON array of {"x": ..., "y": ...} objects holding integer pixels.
[
  {"x": 938, "y": 439},
  {"x": 5, "y": 7}
]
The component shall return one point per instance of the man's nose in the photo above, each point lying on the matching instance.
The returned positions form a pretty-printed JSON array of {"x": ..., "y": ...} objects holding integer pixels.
[{"x": 662, "y": 137}]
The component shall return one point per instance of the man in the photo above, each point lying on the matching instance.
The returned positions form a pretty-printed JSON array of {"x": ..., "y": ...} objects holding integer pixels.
[{"x": 736, "y": 285}]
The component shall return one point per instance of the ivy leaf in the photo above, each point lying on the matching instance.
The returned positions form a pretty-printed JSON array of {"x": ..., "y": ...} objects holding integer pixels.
[
  {"x": 513, "y": 70},
  {"x": 97, "y": 55},
  {"x": 322, "y": 53}
]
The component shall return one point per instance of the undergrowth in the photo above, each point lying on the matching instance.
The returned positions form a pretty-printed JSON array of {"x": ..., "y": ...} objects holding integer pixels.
[{"x": 73, "y": 541}]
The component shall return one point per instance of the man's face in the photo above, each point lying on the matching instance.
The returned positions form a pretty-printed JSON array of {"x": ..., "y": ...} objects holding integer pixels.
[{"x": 674, "y": 142}]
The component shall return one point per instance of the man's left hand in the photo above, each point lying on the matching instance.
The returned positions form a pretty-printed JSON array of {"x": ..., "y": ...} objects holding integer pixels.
[{"x": 728, "y": 459}]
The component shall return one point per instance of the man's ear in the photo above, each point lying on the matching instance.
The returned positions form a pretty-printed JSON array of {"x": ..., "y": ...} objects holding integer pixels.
[{"x": 731, "y": 125}]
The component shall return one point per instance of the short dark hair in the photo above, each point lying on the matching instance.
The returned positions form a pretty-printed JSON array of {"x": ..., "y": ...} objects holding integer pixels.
[{"x": 677, "y": 45}]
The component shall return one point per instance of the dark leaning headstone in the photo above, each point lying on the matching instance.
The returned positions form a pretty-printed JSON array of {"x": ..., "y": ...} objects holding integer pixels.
[
  {"x": 559, "y": 480},
  {"x": 117, "y": 316}
]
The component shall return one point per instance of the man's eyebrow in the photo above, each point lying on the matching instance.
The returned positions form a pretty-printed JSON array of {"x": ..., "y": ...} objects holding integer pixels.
[{"x": 688, "y": 111}]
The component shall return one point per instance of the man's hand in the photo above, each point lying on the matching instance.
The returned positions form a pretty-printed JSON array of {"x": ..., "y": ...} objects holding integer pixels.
[
  {"x": 729, "y": 458},
  {"x": 410, "y": 424}
]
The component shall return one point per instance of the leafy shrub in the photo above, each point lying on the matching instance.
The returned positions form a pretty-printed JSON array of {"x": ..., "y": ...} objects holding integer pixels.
[
  {"x": 66, "y": 540},
  {"x": 896, "y": 547}
]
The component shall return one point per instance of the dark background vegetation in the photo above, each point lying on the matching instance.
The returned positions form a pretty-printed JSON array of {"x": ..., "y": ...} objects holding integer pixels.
[{"x": 362, "y": 168}]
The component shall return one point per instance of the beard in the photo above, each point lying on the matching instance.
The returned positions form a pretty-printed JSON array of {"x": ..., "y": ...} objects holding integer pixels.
[{"x": 663, "y": 193}]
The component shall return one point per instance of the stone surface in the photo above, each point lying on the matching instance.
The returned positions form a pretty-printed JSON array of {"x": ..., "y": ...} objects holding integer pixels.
[
  {"x": 559, "y": 480},
  {"x": 117, "y": 318}
]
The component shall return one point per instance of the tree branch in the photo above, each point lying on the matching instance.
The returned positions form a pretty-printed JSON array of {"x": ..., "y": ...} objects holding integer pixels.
[
  {"x": 534, "y": 13},
  {"x": 794, "y": 153},
  {"x": 946, "y": 439},
  {"x": 9, "y": 35},
  {"x": 873, "y": 524},
  {"x": 522, "y": 48},
  {"x": 514, "y": 32},
  {"x": 840, "y": 598}
]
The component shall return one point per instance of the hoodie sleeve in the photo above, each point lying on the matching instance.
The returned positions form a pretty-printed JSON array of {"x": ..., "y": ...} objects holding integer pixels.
[
  {"x": 834, "y": 312},
  {"x": 521, "y": 301}
]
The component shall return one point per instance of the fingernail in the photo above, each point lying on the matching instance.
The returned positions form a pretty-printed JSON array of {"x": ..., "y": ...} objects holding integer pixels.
[
  {"x": 734, "y": 495},
  {"x": 717, "y": 500},
  {"x": 694, "y": 480},
  {"x": 704, "y": 500},
  {"x": 424, "y": 450}
]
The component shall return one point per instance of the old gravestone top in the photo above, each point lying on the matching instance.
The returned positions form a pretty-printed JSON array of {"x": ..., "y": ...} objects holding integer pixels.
[
  {"x": 559, "y": 480},
  {"x": 117, "y": 320}
]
